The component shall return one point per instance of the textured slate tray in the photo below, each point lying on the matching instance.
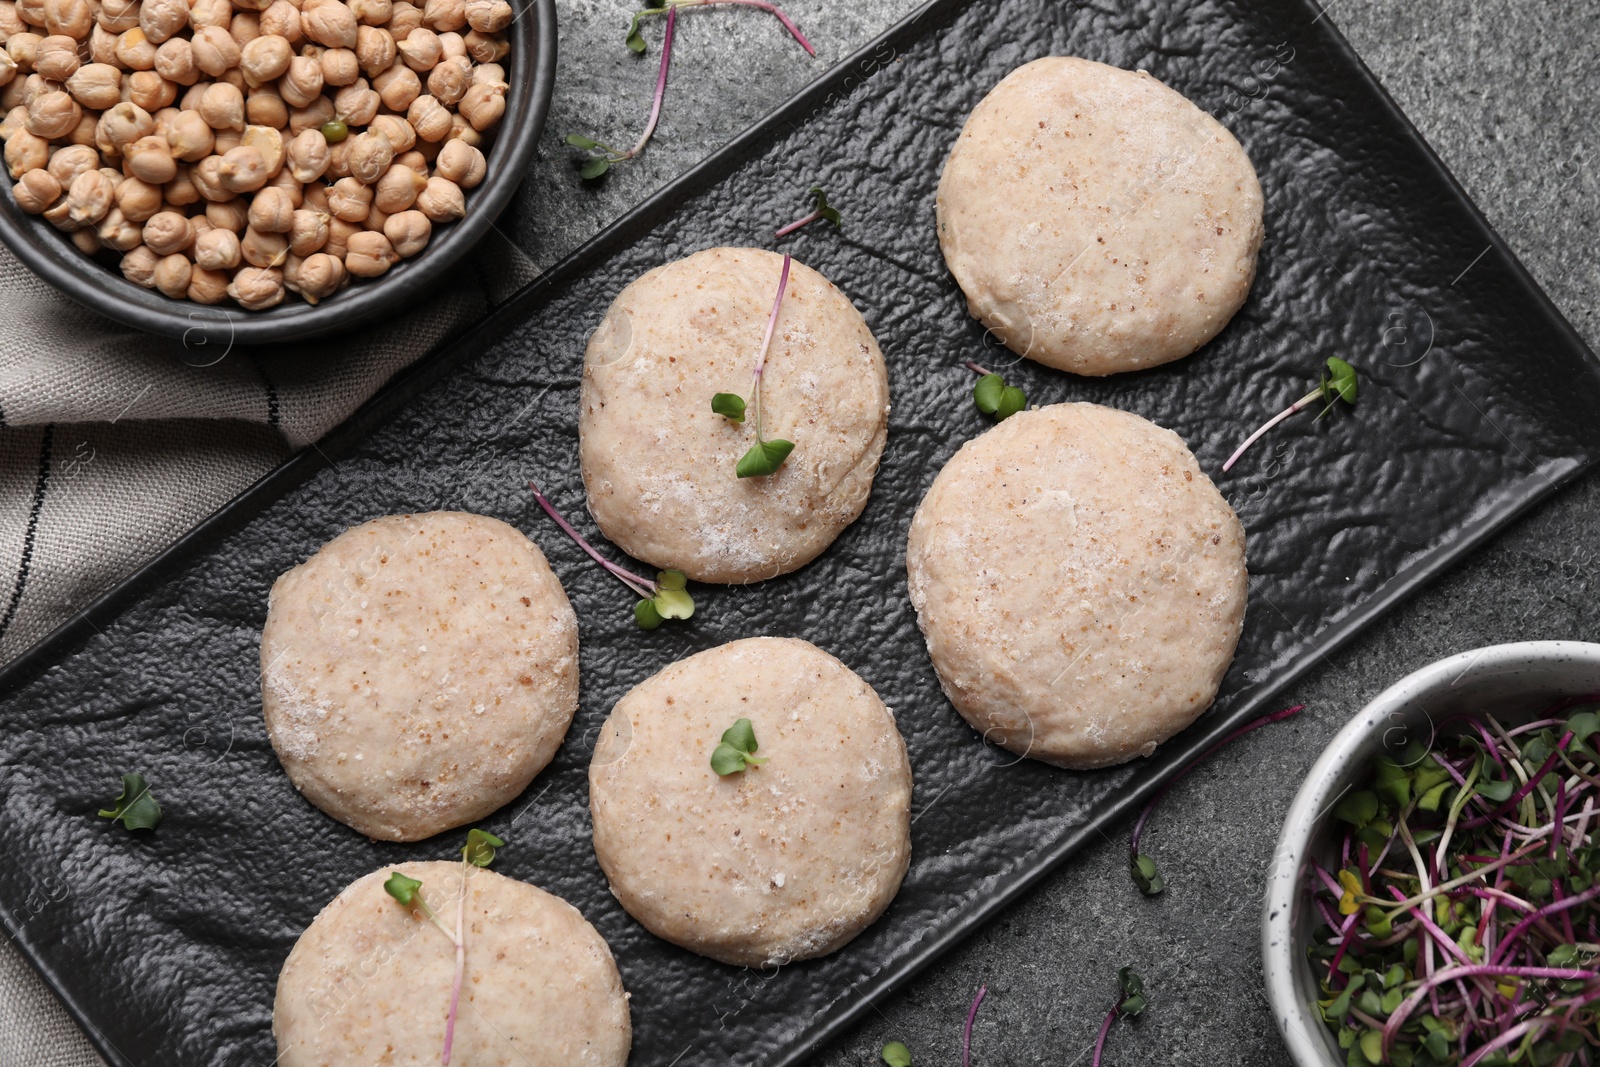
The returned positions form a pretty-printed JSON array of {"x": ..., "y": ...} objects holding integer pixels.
[{"x": 1478, "y": 400}]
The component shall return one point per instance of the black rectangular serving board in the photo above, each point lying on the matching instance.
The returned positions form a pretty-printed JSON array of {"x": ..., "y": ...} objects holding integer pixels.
[{"x": 1477, "y": 400}]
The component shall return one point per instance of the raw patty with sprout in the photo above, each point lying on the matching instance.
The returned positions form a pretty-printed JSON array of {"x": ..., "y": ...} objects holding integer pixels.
[{"x": 245, "y": 150}]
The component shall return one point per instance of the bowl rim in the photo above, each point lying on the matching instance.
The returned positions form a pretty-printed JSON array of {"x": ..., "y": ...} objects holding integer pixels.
[
  {"x": 48, "y": 254},
  {"x": 1284, "y": 967}
]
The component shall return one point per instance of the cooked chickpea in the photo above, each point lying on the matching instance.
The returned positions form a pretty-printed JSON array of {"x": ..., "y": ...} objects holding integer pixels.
[
  {"x": 397, "y": 129},
  {"x": 339, "y": 66},
  {"x": 57, "y": 58},
  {"x": 313, "y": 117},
  {"x": 135, "y": 50},
  {"x": 116, "y": 232},
  {"x": 398, "y": 86},
  {"x": 225, "y": 141},
  {"x": 375, "y": 50},
  {"x": 370, "y": 155},
  {"x": 328, "y": 22},
  {"x": 89, "y": 197},
  {"x": 338, "y": 159},
  {"x": 217, "y": 249},
  {"x": 429, "y": 118},
  {"x": 255, "y": 288},
  {"x": 319, "y": 277},
  {"x": 483, "y": 105},
  {"x": 489, "y": 16},
  {"x": 242, "y": 170},
  {"x": 59, "y": 215},
  {"x": 485, "y": 47},
  {"x": 302, "y": 82},
  {"x": 263, "y": 249},
  {"x": 339, "y": 234},
  {"x": 462, "y": 163},
  {"x": 265, "y": 106},
  {"x": 69, "y": 17},
  {"x": 8, "y": 67},
  {"x": 265, "y": 59},
  {"x": 404, "y": 18},
  {"x": 281, "y": 18},
  {"x": 214, "y": 50},
  {"x": 53, "y": 115},
  {"x": 14, "y": 120},
  {"x": 445, "y": 15},
  {"x": 408, "y": 231},
  {"x": 96, "y": 85},
  {"x": 36, "y": 190},
  {"x": 316, "y": 196},
  {"x": 356, "y": 105},
  {"x": 150, "y": 90},
  {"x": 420, "y": 50},
  {"x": 25, "y": 152},
  {"x": 372, "y": 12},
  {"x": 350, "y": 200},
  {"x": 271, "y": 211},
  {"x": 203, "y": 13},
  {"x": 138, "y": 200},
  {"x": 83, "y": 132},
  {"x": 139, "y": 266},
  {"x": 442, "y": 200},
  {"x": 70, "y": 161},
  {"x": 172, "y": 275},
  {"x": 207, "y": 286},
  {"x": 374, "y": 220},
  {"x": 167, "y": 232},
  {"x": 397, "y": 189},
  {"x": 23, "y": 48},
  {"x": 231, "y": 215},
  {"x": 448, "y": 82},
  {"x": 370, "y": 254},
  {"x": 453, "y": 46},
  {"x": 245, "y": 26},
  {"x": 175, "y": 62},
  {"x": 182, "y": 190},
  {"x": 222, "y": 106},
  {"x": 189, "y": 137},
  {"x": 150, "y": 159},
  {"x": 123, "y": 124},
  {"x": 11, "y": 21},
  {"x": 308, "y": 231}
]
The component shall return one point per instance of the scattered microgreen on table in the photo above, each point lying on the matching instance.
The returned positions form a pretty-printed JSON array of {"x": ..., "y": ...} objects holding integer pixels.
[
  {"x": 1336, "y": 385},
  {"x": 1462, "y": 926},
  {"x": 1145, "y": 873},
  {"x": 136, "y": 808},
  {"x": 764, "y": 457},
  {"x": 1130, "y": 1002},
  {"x": 824, "y": 211},
  {"x": 993, "y": 396},
  {"x": 665, "y": 598},
  {"x": 966, "y": 1031},
  {"x": 635, "y": 39},
  {"x": 895, "y": 1054},
  {"x": 597, "y": 164},
  {"x": 479, "y": 851},
  {"x": 736, "y": 750}
]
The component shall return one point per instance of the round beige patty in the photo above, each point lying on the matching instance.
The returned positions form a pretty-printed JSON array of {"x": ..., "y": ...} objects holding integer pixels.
[
  {"x": 1097, "y": 220},
  {"x": 659, "y": 464},
  {"x": 781, "y": 862},
  {"x": 418, "y": 671},
  {"x": 369, "y": 980},
  {"x": 1080, "y": 582}
]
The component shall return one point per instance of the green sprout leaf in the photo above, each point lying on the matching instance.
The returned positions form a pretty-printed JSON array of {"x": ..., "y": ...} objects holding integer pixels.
[
  {"x": 578, "y": 140},
  {"x": 1147, "y": 876},
  {"x": 824, "y": 210},
  {"x": 646, "y": 615},
  {"x": 1134, "y": 1000},
  {"x": 729, "y": 406},
  {"x": 895, "y": 1054},
  {"x": 594, "y": 168},
  {"x": 994, "y": 397},
  {"x": 764, "y": 458},
  {"x": 402, "y": 888},
  {"x": 737, "y": 749},
  {"x": 635, "y": 40},
  {"x": 1358, "y": 809},
  {"x": 136, "y": 808},
  {"x": 1338, "y": 384},
  {"x": 479, "y": 850},
  {"x": 1584, "y": 725}
]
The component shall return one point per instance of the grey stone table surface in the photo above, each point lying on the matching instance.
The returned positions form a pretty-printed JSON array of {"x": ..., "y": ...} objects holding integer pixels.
[{"x": 1505, "y": 91}]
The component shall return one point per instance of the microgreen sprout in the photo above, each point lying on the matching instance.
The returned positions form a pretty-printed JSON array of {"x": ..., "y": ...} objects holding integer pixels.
[
  {"x": 135, "y": 808},
  {"x": 764, "y": 457},
  {"x": 824, "y": 211},
  {"x": 966, "y": 1031},
  {"x": 895, "y": 1054},
  {"x": 635, "y": 40},
  {"x": 1145, "y": 873},
  {"x": 1461, "y": 924},
  {"x": 478, "y": 852},
  {"x": 597, "y": 164},
  {"x": 665, "y": 598},
  {"x": 737, "y": 749},
  {"x": 1336, "y": 385},
  {"x": 1131, "y": 1001},
  {"x": 993, "y": 396}
]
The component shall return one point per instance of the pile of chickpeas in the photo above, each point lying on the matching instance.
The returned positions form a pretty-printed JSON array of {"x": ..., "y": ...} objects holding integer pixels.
[{"x": 247, "y": 149}]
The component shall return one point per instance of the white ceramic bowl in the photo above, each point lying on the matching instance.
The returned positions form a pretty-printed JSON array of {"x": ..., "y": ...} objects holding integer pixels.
[{"x": 1511, "y": 680}]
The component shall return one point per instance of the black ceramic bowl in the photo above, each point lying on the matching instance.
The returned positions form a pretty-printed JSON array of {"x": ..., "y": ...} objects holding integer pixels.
[{"x": 531, "y": 70}]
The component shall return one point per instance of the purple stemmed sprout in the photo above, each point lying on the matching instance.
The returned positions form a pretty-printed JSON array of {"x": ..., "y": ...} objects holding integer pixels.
[
  {"x": 1461, "y": 923},
  {"x": 966, "y": 1031},
  {"x": 602, "y": 156},
  {"x": 824, "y": 211},
  {"x": 1338, "y": 384},
  {"x": 665, "y": 598},
  {"x": 1130, "y": 1001}
]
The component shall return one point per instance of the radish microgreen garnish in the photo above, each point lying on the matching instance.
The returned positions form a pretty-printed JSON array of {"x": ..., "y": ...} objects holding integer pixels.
[
  {"x": 665, "y": 598},
  {"x": 1461, "y": 924},
  {"x": 479, "y": 851},
  {"x": 635, "y": 40},
  {"x": 1145, "y": 873},
  {"x": 596, "y": 165},
  {"x": 823, "y": 211},
  {"x": 895, "y": 1054},
  {"x": 1338, "y": 384},
  {"x": 966, "y": 1031},
  {"x": 994, "y": 397},
  {"x": 764, "y": 457},
  {"x": 136, "y": 809},
  {"x": 1131, "y": 1002},
  {"x": 737, "y": 750}
]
